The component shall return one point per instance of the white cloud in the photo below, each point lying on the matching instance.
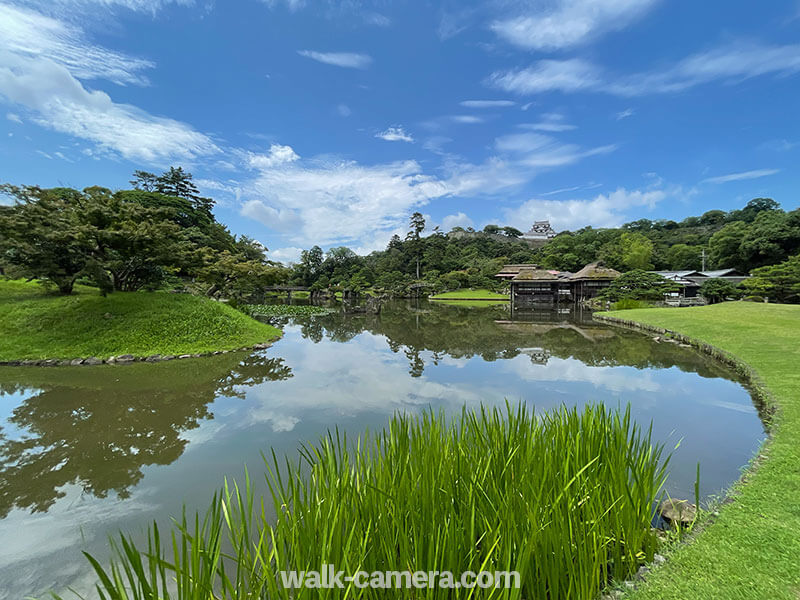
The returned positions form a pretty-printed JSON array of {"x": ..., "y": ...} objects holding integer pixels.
[
  {"x": 395, "y": 134},
  {"x": 453, "y": 23},
  {"x": 566, "y": 23},
  {"x": 343, "y": 110},
  {"x": 277, "y": 155},
  {"x": 730, "y": 64},
  {"x": 569, "y": 75},
  {"x": 151, "y": 6},
  {"x": 494, "y": 175},
  {"x": 279, "y": 219},
  {"x": 377, "y": 19},
  {"x": 487, "y": 103},
  {"x": 519, "y": 158},
  {"x": 468, "y": 119},
  {"x": 286, "y": 255},
  {"x": 628, "y": 112},
  {"x": 333, "y": 202},
  {"x": 542, "y": 151},
  {"x": 551, "y": 122},
  {"x": 14, "y": 118},
  {"x": 349, "y": 60},
  {"x": 436, "y": 144},
  {"x": 604, "y": 210},
  {"x": 62, "y": 103},
  {"x": 41, "y": 62},
  {"x": 755, "y": 174},
  {"x": 457, "y": 220},
  {"x": 778, "y": 145},
  {"x": 27, "y": 33},
  {"x": 292, "y": 5}
]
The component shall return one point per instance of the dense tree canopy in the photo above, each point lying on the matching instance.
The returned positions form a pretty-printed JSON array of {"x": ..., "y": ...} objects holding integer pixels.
[
  {"x": 639, "y": 285},
  {"x": 165, "y": 231},
  {"x": 758, "y": 234},
  {"x": 130, "y": 239},
  {"x": 779, "y": 282},
  {"x": 717, "y": 290}
]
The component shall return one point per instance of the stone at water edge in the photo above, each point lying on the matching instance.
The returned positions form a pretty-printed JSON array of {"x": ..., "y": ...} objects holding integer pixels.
[
  {"x": 126, "y": 358},
  {"x": 680, "y": 512},
  {"x": 93, "y": 361}
]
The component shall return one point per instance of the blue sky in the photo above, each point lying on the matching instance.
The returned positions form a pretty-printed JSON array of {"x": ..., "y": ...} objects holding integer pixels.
[{"x": 321, "y": 122}]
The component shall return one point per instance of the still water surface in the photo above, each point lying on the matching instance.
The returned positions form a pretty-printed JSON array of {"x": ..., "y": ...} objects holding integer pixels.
[{"x": 85, "y": 452}]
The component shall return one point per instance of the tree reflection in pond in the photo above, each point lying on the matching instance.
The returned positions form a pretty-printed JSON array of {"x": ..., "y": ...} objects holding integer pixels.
[
  {"x": 98, "y": 427},
  {"x": 493, "y": 334}
]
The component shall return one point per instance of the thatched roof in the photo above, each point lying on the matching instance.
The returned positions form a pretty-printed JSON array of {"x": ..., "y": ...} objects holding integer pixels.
[
  {"x": 594, "y": 271},
  {"x": 511, "y": 270},
  {"x": 529, "y": 274}
]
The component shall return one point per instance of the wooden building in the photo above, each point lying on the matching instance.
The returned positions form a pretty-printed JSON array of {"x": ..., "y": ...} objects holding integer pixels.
[
  {"x": 690, "y": 281},
  {"x": 508, "y": 272},
  {"x": 538, "y": 286},
  {"x": 591, "y": 280},
  {"x": 531, "y": 284}
]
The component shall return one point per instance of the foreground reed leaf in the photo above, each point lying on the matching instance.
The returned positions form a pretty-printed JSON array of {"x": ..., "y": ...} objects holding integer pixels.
[{"x": 565, "y": 498}]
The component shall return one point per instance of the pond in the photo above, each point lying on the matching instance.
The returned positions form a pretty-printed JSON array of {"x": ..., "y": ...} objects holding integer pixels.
[{"x": 85, "y": 452}]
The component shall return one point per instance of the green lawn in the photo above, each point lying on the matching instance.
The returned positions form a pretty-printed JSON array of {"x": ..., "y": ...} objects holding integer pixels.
[
  {"x": 35, "y": 324},
  {"x": 478, "y": 294},
  {"x": 752, "y": 550}
]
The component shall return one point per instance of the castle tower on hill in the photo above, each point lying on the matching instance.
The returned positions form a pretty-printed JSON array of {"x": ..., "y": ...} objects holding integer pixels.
[{"x": 541, "y": 230}]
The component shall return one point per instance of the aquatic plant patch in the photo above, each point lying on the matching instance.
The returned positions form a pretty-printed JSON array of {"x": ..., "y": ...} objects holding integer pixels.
[
  {"x": 565, "y": 499},
  {"x": 286, "y": 310}
]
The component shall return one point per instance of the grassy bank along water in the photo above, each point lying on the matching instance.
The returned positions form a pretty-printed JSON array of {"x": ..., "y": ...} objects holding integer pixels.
[
  {"x": 473, "y": 295},
  {"x": 565, "y": 498},
  {"x": 752, "y": 550},
  {"x": 36, "y": 324}
]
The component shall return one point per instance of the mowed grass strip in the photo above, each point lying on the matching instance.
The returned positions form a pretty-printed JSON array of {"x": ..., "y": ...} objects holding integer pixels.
[
  {"x": 36, "y": 324},
  {"x": 478, "y": 294},
  {"x": 753, "y": 549}
]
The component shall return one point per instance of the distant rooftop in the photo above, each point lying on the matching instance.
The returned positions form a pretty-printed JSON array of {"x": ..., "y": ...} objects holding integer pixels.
[
  {"x": 528, "y": 274},
  {"x": 596, "y": 271},
  {"x": 510, "y": 271}
]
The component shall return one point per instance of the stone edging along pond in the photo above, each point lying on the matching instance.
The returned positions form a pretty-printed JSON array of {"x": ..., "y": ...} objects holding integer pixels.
[
  {"x": 124, "y": 359},
  {"x": 765, "y": 402}
]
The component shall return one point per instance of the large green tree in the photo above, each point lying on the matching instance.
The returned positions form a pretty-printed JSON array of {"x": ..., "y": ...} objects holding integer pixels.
[
  {"x": 779, "y": 282},
  {"x": 417, "y": 226},
  {"x": 43, "y": 235},
  {"x": 639, "y": 285},
  {"x": 127, "y": 240},
  {"x": 716, "y": 290},
  {"x": 724, "y": 247}
]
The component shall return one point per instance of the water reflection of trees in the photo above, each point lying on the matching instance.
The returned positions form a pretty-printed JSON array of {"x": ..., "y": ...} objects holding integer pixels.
[
  {"x": 99, "y": 427},
  {"x": 491, "y": 333}
]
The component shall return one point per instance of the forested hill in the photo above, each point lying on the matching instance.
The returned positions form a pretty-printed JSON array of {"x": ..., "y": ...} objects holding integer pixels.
[{"x": 761, "y": 233}]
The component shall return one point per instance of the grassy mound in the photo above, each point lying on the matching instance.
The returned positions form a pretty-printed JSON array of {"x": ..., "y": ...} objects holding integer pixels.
[
  {"x": 753, "y": 548},
  {"x": 479, "y": 294},
  {"x": 35, "y": 324}
]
